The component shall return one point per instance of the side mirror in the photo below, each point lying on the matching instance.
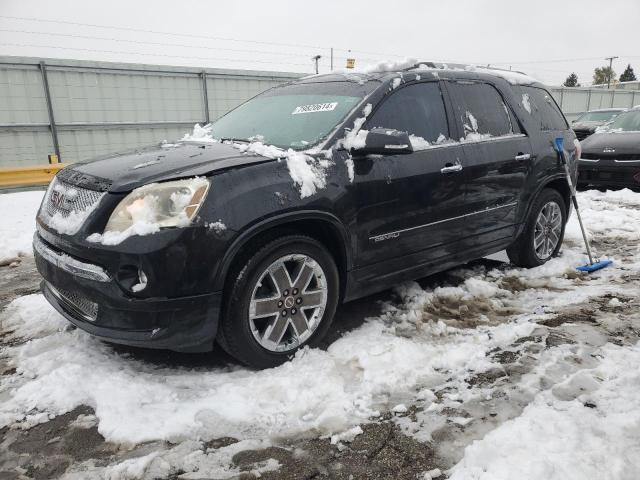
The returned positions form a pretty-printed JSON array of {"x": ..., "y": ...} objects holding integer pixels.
[{"x": 386, "y": 141}]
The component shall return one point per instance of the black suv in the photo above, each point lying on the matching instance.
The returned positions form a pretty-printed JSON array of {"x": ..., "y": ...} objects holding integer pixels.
[{"x": 252, "y": 230}]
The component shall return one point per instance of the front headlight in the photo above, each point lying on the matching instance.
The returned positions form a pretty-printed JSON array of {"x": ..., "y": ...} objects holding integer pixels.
[{"x": 158, "y": 205}]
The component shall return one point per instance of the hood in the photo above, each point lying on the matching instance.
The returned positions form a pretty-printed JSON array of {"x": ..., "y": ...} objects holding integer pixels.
[
  {"x": 126, "y": 171},
  {"x": 621, "y": 142}
]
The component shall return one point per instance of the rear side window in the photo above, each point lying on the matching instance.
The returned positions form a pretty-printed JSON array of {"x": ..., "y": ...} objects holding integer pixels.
[
  {"x": 416, "y": 109},
  {"x": 480, "y": 109},
  {"x": 543, "y": 108}
]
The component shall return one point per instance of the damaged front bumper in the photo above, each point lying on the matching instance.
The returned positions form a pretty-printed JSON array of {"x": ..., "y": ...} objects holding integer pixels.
[{"x": 92, "y": 300}]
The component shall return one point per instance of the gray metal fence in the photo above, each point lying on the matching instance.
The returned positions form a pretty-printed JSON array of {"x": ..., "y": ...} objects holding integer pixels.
[
  {"x": 574, "y": 101},
  {"x": 80, "y": 109}
]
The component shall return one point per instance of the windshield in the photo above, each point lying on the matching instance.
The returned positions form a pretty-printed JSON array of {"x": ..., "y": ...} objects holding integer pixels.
[
  {"x": 598, "y": 116},
  {"x": 626, "y": 122},
  {"x": 293, "y": 116}
]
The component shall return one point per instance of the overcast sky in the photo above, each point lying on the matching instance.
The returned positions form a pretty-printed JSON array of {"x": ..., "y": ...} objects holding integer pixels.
[{"x": 547, "y": 39}]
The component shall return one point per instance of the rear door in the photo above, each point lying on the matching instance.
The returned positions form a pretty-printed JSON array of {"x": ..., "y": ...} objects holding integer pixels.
[
  {"x": 498, "y": 153},
  {"x": 408, "y": 204}
]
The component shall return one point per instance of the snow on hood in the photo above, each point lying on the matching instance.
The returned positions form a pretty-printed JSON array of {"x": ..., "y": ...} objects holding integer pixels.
[{"x": 307, "y": 172}]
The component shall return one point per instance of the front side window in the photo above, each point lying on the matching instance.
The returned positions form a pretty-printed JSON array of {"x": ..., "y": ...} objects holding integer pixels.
[
  {"x": 417, "y": 109},
  {"x": 544, "y": 109},
  {"x": 481, "y": 110},
  {"x": 295, "y": 116}
]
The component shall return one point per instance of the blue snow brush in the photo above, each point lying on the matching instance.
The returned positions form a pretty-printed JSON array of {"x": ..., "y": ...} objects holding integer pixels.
[{"x": 592, "y": 266}]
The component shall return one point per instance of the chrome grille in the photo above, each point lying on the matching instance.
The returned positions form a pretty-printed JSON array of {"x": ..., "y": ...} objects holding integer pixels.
[
  {"x": 64, "y": 198},
  {"x": 87, "y": 309}
]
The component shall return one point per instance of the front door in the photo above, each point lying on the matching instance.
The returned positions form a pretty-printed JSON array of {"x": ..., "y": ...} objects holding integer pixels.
[{"x": 410, "y": 206}]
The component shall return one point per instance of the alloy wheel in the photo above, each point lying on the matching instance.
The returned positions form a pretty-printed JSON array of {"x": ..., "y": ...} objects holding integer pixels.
[
  {"x": 548, "y": 230},
  {"x": 288, "y": 302}
]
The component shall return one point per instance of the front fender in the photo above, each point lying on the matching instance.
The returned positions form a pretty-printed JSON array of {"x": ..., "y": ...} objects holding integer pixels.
[{"x": 281, "y": 220}]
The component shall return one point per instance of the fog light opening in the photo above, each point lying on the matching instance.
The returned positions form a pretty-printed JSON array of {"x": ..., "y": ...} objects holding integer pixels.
[{"x": 142, "y": 282}]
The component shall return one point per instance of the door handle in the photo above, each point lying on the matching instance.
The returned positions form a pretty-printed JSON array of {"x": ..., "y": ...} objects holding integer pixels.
[
  {"x": 523, "y": 156},
  {"x": 451, "y": 168}
]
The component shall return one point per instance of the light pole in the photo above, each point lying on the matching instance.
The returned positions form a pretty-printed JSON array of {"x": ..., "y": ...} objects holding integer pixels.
[
  {"x": 316, "y": 58},
  {"x": 611, "y": 59}
]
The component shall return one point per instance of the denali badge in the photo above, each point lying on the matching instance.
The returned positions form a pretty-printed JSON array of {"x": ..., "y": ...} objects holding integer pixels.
[
  {"x": 609, "y": 150},
  {"x": 386, "y": 236}
]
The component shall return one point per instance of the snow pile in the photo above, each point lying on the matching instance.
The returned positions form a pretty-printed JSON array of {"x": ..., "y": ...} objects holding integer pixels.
[
  {"x": 514, "y": 78},
  {"x": 419, "y": 143},
  {"x": 258, "y": 148},
  {"x": 585, "y": 427},
  {"x": 308, "y": 173},
  {"x": 144, "y": 214},
  {"x": 218, "y": 227},
  {"x": 351, "y": 172},
  {"x": 145, "y": 164},
  {"x": 471, "y": 134},
  {"x": 19, "y": 212},
  {"x": 356, "y": 137},
  {"x": 525, "y": 102},
  {"x": 614, "y": 214},
  {"x": 200, "y": 134},
  {"x": 347, "y": 436},
  {"x": 194, "y": 458},
  {"x": 368, "y": 370},
  {"x": 389, "y": 66}
]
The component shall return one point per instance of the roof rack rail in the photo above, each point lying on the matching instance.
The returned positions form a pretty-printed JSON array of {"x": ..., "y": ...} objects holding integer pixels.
[{"x": 462, "y": 66}]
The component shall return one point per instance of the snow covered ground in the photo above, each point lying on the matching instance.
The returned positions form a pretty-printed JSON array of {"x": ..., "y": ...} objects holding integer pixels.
[
  {"x": 506, "y": 373},
  {"x": 17, "y": 225}
]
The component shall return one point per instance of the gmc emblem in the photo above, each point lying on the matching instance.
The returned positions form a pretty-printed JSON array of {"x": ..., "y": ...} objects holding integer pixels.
[{"x": 57, "y": 198}]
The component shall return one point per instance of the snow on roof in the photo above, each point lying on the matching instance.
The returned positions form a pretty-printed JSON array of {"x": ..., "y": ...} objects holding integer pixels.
[{"x": 513, "y": 77}]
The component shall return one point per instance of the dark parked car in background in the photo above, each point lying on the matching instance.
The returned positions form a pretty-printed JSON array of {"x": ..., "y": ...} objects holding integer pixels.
[
  {"x": 587, "y": 123},
  {"x": 611, "y": 158},
  {"x": 316, "y": 192}
]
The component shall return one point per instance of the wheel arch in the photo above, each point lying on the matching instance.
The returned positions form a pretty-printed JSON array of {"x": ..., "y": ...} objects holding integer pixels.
[
  {"x": 557, "y": 182},
  {"x": 320, "y": 225}
]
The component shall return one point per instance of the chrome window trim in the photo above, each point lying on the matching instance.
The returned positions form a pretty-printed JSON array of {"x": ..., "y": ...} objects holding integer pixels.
[
  {"x": 69, "y": 264},
  {"x": 626, "y": 161},
  {"x": 455, "y": 143},
  {"x": 494, "y": 139},
  {"x": 396, "y": 233}
]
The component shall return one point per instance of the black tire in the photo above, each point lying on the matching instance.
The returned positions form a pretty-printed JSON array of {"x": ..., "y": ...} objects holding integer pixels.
[
  {"x": 522, "y": 252},
  {"x": 234, "y": 332}
]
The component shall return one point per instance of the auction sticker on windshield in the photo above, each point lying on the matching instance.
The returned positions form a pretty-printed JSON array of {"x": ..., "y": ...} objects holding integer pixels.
[{"x": 316, "y": 107}]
